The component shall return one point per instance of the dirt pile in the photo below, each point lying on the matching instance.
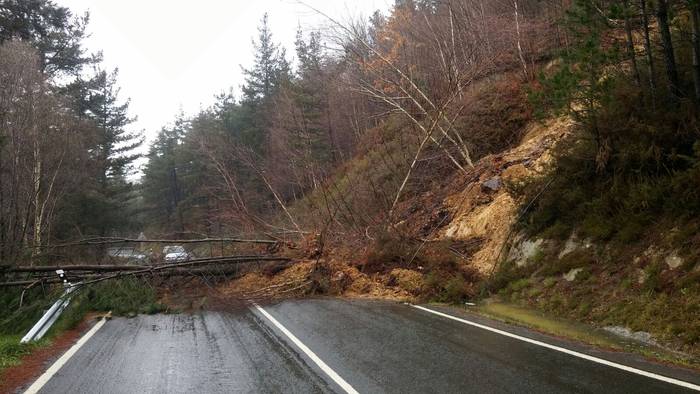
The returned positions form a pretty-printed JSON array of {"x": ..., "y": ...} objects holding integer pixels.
[
  {"x": 485, "y": 209},
  {"x": 311, "y": 277},
  {"x": 474, "y": 213},
  {"x": 293, "y": 280}
]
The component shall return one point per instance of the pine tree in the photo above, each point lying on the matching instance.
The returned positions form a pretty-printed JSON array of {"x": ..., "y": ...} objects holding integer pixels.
[
  {"x": 116, "y": 146},
  {"x": 51, "y": 29},
  {"x": 270, "y": 71},
  {"x": 113, "y": 152},
  {"x": 662, "y": 11},
  {"x": 162, "y": 187},
  {"x": 581, "y": 86},
  {"x": 310, "y": 96}
]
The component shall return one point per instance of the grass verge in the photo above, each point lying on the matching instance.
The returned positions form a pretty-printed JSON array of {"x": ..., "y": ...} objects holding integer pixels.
[
  {"x": 530, "y": 318},
  {"x": 11, "y": 351}
]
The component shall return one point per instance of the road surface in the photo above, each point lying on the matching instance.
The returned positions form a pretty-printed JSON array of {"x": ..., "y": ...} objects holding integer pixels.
[{"x": 333, "y": 345}]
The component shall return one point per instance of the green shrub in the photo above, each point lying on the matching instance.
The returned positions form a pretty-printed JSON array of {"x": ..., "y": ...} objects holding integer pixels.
[
  {"x": 549, "y": 281},
  {"x": 559, "y": 230},
  {"x": 597, "y": 227},
  {"x": 122, "y": 297},
  {"x": 534, "y": 292},
  {"x": 584, "y": 308},
  {"x": 652, "y": 274},
  {"x": 518, "y": 285},
  {"x": 537, "y": 258},
  {"x": 17, "y": 320},
  {"x": 651, "y": 172},
  {"x": 455, "y": 290},
  {"x": 626, "y": 284},
  {"x": 576, "y": 259},
  {"x": 583, "y": 275},
  {"x": 506, "y": 272},
  {"x": 11, "y": 350}
]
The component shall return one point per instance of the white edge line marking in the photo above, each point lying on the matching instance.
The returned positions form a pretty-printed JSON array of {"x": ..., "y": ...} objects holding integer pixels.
[
  {"x": 324, "y": 367},
  {"x": 567, "y": 351},
  {"x": 43, "y": 379}
]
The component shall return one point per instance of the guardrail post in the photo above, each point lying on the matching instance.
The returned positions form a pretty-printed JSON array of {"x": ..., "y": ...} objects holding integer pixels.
[{"x": 49, "y": 318}]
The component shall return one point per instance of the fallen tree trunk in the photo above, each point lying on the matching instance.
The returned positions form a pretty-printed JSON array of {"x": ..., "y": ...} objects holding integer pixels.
[
  {"x": 67, "y": 268},
  {"x": 115, "y": 240},
  {"x": 179, "y": 269},
  {"x": 116, "y": 267}
]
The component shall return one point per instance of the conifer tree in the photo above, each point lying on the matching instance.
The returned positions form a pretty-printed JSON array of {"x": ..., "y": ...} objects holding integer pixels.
[
  {"x": 113, "y": 152},
  {"x": 580, "y": 86},
  {"x": 269, "y": 72},
  {"x": 52, "y": 29},
  {"x": 310, "y": 96},
  {"x": 162, "y": 186}
]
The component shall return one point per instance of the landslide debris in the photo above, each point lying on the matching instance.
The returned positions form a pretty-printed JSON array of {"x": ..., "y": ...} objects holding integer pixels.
[{"x": 447, "y": 240}]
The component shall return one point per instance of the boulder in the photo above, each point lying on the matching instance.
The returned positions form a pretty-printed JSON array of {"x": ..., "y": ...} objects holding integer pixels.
[
  {"x": 673, "y": 260},
  {"x": 571, "y": 275},
  {"x": 523, "y": 250},
  {"x": 573, "y": 244},
  {"x": 493, "y": 184}
]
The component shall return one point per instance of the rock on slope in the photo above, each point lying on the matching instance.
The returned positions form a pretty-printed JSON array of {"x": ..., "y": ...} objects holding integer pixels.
[{"x": 485, "y": 209}]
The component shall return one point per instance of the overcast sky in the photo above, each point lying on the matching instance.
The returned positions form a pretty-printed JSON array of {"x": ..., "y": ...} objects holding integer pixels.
[{"x": 174, "y": 54}]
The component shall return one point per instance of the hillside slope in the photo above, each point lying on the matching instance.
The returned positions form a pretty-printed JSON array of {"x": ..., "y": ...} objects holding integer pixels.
[{"x": 462, "y": 237}]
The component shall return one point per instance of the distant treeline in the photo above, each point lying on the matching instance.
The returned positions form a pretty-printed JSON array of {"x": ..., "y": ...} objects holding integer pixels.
[{"x": 65, "y": 154}]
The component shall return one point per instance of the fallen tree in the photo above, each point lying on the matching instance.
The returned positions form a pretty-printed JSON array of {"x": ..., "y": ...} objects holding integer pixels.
[
  {"x": 119, "y": 267},
  {"x": 87, "y": 274},
  {"x": 120, "y": 240}
]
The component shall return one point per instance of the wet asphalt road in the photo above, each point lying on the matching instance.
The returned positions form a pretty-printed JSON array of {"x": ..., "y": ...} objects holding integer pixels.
[{"x": 374, "y": 346}]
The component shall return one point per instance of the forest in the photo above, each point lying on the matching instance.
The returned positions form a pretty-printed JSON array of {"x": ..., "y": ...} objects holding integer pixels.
[{"x": 360, "y": 117}]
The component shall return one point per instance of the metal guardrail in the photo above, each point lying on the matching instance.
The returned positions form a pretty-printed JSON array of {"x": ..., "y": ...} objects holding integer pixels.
[{"x": 49, "y": 318}]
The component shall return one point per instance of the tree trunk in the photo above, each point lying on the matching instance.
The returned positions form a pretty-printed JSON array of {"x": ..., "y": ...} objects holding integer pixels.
[
  {"x": 630, "y": 44},
  {"x": 517, "y": 30},
  {"x": 36, "y": 242},
  {"x": 668, "y": 52},
  {"x": 649, "y": 53},
  {"x": 695, "y": 10},
  {"x": 3, "y": 227}
]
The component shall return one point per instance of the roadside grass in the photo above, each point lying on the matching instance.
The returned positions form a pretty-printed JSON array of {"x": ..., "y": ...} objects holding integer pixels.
[
  {"x": 539, "y": 321},
  {"x": 615, "y": 290},
  {"x": 561, "y": 327},
  {"x": 11, "y": 351}
]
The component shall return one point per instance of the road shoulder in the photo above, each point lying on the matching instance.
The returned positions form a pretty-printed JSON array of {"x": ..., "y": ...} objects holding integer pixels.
[
  {"x": 33, "y": 365},
  {"x": 574, "y": 337}
]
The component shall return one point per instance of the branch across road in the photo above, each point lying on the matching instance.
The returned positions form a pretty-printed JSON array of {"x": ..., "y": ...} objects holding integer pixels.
[
  {"x": 96, "y": 273},
  {"x": 121, "y": 240},
  {"x": 341, "y": 346}
]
